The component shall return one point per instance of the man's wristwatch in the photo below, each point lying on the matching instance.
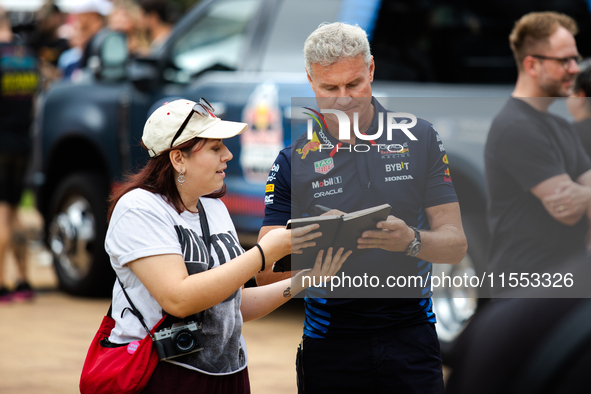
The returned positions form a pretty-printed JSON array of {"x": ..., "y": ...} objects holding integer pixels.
[{"x": 415, "y": 246}]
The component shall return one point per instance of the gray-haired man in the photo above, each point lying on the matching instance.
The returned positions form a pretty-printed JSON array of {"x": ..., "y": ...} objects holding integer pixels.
[{"x": 354, "y": 344}]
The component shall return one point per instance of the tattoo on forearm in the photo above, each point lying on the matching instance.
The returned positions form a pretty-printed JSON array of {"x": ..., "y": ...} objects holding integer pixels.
[{"x": 287, "y": 292}]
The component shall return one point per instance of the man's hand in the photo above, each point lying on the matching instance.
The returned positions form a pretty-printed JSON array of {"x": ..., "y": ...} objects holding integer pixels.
[
  {"x": 445, "y": 243},
  {"x": 569, "y": 201},
  {"x": 566, "y": 201},
  {"x": 393, "y": 235},
  {"x": 333, "y": 212}
]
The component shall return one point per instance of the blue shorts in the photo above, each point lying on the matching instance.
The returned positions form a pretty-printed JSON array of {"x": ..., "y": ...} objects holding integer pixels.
[{"x": 405, "y": 360}]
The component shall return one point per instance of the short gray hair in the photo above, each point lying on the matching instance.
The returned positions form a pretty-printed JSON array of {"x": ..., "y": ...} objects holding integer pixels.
[{"x": 332, "y": 42}]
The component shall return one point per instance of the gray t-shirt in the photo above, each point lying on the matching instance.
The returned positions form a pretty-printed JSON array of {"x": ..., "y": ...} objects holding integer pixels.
[
  {"x": 144, "y": 224},
  {"x": 524, "y": 148}
]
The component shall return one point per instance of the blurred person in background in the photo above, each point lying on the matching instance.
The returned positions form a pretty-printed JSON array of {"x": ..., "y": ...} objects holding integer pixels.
[
  {"x": 69, "y": 59},
  {"x": 46, "y": 41},
  {"x": 526, "y": 345},
  {"x": 539, "y": 184},
  {"x": 19, "y": 81},
  {"x": 538, "y": 175},
  {"x": 89, "y": 19},
  {"x": 127, "y": 17},
  {"x": 157, "y": 21},
  {"x": 580, "y": 106}
]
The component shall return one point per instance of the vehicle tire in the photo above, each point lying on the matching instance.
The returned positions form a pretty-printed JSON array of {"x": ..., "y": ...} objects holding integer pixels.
[
  {"x": 76, "y": 230},
  {"x": 455, "y": 306}
]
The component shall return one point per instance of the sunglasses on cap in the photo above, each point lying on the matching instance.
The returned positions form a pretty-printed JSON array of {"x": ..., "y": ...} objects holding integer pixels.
[{"x": 203, "y": 108}]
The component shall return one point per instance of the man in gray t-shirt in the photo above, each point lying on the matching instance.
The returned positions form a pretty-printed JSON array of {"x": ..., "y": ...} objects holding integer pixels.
[
  {"x": 537, "y": 174},
  {"x": 525, "y": 148}
]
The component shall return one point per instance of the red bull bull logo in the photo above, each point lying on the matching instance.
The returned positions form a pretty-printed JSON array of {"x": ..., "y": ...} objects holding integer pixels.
[
  {"x": 447, "y": 176},
  {"x": 312, "y": 146}
]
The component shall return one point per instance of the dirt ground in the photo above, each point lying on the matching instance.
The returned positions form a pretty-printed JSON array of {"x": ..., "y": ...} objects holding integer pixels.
[{"x": 43, "y": 343}]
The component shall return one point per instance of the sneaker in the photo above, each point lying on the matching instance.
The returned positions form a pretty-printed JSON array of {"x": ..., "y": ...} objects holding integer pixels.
[
  {"x": 5, "y": 295},
  {"x": 23, "y": 292}
]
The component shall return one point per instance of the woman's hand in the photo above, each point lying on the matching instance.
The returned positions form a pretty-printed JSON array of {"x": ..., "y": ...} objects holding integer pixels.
[
  {"x": 303, "y": 238},
  {"x": 258, "y": 301},
  {"x": 324, "y": 269},
  {"x": 281, "y": 242}
]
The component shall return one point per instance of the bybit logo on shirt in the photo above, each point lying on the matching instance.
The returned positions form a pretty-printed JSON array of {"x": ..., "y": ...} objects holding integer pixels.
[{"x": 397, "y": 166}]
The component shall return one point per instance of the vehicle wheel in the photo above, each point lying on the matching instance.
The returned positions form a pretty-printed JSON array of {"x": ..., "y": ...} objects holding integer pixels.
[
  {"x": 455, "y": 306},
  {"x": 76, "y": 234}
]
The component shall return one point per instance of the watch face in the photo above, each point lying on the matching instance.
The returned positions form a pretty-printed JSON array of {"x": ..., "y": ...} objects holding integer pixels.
[{"x": 415, "y": 249}]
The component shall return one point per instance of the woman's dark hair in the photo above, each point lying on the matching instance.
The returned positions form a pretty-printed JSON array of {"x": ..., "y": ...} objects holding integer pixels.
[
  {"x": 158, "y": 176},
  {"x": 160, "y": 7}
]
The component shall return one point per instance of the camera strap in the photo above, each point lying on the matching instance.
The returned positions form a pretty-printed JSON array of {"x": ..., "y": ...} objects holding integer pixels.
[
  {"x": 133, "y": 310},
  {"x": 207, "y": 241},
  {"x": 205, "y": 231},
  {"x": 198, "y": 316}
]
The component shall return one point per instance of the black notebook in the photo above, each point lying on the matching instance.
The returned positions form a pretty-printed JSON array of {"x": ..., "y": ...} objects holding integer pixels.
[{"x": 337, "y": 231}]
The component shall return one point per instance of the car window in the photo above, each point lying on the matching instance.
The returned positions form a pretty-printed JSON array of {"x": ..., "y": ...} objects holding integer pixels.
[
  {"x": 217, "y": 39},
  {"x": 292, "y": 25},
  {"x": 426, "y": 41}
]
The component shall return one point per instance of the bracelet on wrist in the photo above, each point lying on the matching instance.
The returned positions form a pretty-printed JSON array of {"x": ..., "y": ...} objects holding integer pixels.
[{"x": 262, "y": 255}]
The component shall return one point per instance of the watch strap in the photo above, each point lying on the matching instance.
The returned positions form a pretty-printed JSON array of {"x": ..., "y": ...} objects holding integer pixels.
[
  {"x": 417, "y": 233},
  {"x": 414, "y": 242}
]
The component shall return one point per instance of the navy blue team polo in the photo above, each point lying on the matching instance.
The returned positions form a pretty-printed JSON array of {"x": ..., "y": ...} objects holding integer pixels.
[{"x": 410, "y": 175}]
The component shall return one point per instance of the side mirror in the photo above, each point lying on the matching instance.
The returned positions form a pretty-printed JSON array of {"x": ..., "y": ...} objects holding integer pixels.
[
  {"x": 144, "y": 73},
  {"x": 108, "y": 55}
]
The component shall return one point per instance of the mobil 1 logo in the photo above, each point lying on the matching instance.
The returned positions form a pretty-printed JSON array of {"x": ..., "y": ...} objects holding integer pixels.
[{"x": 327, "y": 182}]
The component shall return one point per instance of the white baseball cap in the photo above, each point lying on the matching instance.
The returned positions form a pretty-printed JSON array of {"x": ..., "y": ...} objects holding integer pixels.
[
  {"x": 102, "y": 7},
  {"x": 162, "y": 128}
]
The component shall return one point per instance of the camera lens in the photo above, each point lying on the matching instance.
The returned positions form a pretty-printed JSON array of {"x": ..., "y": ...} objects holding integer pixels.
[{"x": 184, "y": 341}]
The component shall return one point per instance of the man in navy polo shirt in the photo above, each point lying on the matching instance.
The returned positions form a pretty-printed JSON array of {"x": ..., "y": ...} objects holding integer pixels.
[{"x": 385, "y": 344}]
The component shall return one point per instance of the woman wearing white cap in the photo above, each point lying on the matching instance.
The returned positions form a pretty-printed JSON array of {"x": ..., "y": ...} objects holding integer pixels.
[{"x": 159, "y": 248}]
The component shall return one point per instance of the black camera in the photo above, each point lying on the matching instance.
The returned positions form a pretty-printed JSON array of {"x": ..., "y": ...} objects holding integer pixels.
[{"x": 178, "y": 341}]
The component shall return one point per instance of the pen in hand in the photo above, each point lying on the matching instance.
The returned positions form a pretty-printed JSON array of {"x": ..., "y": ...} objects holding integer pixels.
[{"x": 321, "y": 208}]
